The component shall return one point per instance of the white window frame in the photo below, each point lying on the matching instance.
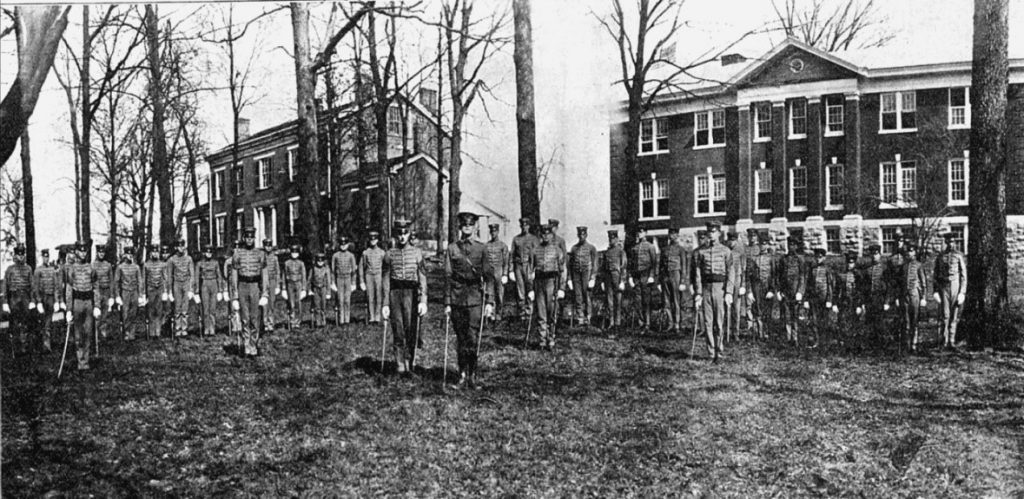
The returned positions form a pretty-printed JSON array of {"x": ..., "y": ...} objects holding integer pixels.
[
  {"x": 239, "y": 222},
  {"x": 659, "y": 133},
  {"x": 792, "y": 117},
  {"x": 882, "y": 241},
  {"x": 396, "y": 122},
  {"x": 217, "y": 187},
  {"x": 659, "y": 197},
  {"x": 293, "y": 159},
  {"x": 960, "y": 228},
  {"x": 759, "y": 120},
  {"x": 835, "y": 229},
  {"x": 900, "y": 177},
  {"x": 830, "y": 106},
  {"x": 261, "y": 223},
  {"x": 220, "y": 228},
  {"x": 710, "y": 181},
  {"x": 899, "y": 109},
  {"x": 966, "y": 181},
  {"x": 709, "y": 117},
  {"x": 829, "y": 205},
  {"x": 966, "y": 108},
  {"x": 264, "y": 168},
  {"x": 238, "y": 172},
  {"x": 757, "y": 189},
  {"x": 293, "y": 208},
  {"x": 792, "y": 188}
]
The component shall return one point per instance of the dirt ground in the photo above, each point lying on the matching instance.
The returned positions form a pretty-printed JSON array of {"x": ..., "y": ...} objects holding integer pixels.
[{"x": 606, "y": 414}]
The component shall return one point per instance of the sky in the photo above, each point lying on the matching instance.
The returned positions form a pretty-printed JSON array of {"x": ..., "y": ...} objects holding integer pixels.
[{"x": 575, "y": 64}]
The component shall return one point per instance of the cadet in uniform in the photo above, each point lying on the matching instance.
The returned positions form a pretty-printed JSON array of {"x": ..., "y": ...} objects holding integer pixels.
[
  {"x": 847, "y": 288},
  {"x": 370, "y": 269},
  {"x": 405, "y": 289},
  {"x": 548, "y": 264},
  {"x": 320, "y": 288},
  {"x": 582, "y": 267},
  {"x": 273, "y": 286},
  {"x": 792, "y": 283},
  {"x": 522, "y": 248},
  {"x": 104, "y": 289},
  {"x": 343, "y": 263},
  {"x": 498, "y": 262},
  {"x": 249, "y": 289},
  {"x": 950, "y": 287},
  {"x": 733, "y": 311},
  {"x": 820, "y": 292},
  {"x": 294, "y": 286},
  {"x": 155, "y": 285},
  {"x": 84, "y": 298},
  {"x": 761, "y": 275},
  {"x": 674, "y": 259},
  {"x": 19, "y": 302},
  {"x": 555, "y": 238},
  {"x": 613, "y": 272},
  {"x": 698, "y": 311},
  {"x": 180, "y": 267},
  {"x": 713, "y": 282},
  {"x": 644, "y": 260},
  {"x": 45, "y": 283},
  {"x": 876, "y": 291},
  {"x": 127, "y": 278},
  {"x": 210, "y": 284},
  {"x": 912, "y": 282},
  {"x": 468, "y": 284}
]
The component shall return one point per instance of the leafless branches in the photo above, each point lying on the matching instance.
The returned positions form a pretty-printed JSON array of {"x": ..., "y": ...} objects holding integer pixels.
[{"x": 832, "y": 26}]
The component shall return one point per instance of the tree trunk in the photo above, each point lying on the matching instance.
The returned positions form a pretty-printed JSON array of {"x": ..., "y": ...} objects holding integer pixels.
[
  {"x": 161, "y": 168},
  {"x": 27, "y": 199},
  {"x": 85, "y": 191},
  {"x": 309, "y": 180},
  {"x": 986, "y": 288},
  {"x": 629, "y": 195},
  {"x": 380, "y": 118},
  {"x": 439, "y": 143},
  {"x": 526, "y": 125},
  {"x": 454, "y": 171}
]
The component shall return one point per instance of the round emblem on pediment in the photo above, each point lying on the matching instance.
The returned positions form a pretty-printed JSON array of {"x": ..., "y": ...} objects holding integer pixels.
[{"x": 796, "y": 65}]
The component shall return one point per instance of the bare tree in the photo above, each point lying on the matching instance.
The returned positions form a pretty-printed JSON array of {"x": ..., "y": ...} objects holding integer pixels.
[
  {"x": 158, "y": 103},
  {"x": 556, "y": 160},
  {"x": 11, "y": 199},
  {"x": 526, "y": 125},
  {"x": 833, "y": 26}
]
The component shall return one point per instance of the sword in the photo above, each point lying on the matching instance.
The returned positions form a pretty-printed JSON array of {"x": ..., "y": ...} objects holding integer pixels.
[
  {"x": 67, "y": 336},
  {"x": 416, "y": 346},
  {"x": 383, "y": 344},
  {"x": 444, "y": 375}
]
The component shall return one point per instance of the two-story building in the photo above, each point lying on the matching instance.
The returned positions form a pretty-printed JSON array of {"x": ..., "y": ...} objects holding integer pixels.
[{"x": 843, "y": 149}]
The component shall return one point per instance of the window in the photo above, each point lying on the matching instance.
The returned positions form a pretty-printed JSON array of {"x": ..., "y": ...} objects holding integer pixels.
[
  {"x": 293, "y": 162},
  {"x": 898, "y": 184},
  {"x": 218, "y": 185},
  {"x": 239, "y": 180},
  {"x": 959, "y": 177},
  {"x": 798, "y": 188},
  {"x": 653, "y": 195},
  {"x": 959, "y": 237},
  {"x": 394, "y": 121},
  {"x": 709, "y": 129},
  {"x": 889, "y": 240},
  {"x": 266, "y": 224},
  {"x": 653, "y": 136},
  {"x": 428, "y": 98},
  {"x": 834, "y": 186},
  {"x": 710, "y": 194},
  {"x": 798, "y": 118},
  {"x": 239, "y": 222},
  {"x": 219, "y": 228},
  {"x": 833, "y": 243},
  {"x": 834, "y": 115},
  {"x": 960, "y": 107},
  {"x": 293, "y": 215},
  {"x": 762, "y": 121},
  {"x": 898, "y": 112},
  {"x": 264, "y": 172},
  {"x": 763, "y": 191}
]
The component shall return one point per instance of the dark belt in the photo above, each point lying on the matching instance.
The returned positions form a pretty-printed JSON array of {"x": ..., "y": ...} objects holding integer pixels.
[
  {"x": 713, "y": 278},
  {"x": 250, "y": 279},
  {"x": 547, "y": 275},
  {"x": 404, "y": 284},
  {"x": 81, "y": 295}
]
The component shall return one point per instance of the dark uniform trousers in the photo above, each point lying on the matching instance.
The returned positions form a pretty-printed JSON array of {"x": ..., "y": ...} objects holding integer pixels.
[
  {"x": 294, "y": 283},
  {"x": 320, "y": 286},
  {"x": 81, "y": 314},
  {"x": 522, "y": 247},
  {"x": 581, "y": 293},
  {"x": 20, "y": 317},
  {"x": 249, "y": 313},
  {"x": 209, "y": 287},
  {"x": 273, "y": 289},
  {"x": 714, "y": 315},
  {"x": 466, "y": 323},
  {"x": 155, "y": 288},
  {"x": 403, "y": 299},
  {"x": 877, "y": 297},
  {"x": 46, "y": 286},
  {"x": 545, "y": 288}
]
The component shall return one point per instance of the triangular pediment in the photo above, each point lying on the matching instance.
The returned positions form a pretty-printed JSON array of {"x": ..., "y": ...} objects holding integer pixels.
[{"x": 793, "y": 62}]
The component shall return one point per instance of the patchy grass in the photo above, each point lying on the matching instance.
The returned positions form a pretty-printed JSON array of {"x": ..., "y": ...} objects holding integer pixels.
[{"x": 601, "y": 416}]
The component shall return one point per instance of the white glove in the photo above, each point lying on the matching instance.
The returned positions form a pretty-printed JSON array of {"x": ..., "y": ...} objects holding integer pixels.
[
  {"x": 631, "y": 283},
  {"x": 96, "y": 312},
  {"x": 682, "y": 288},
  {"x": 302, "y": 295},
  {"x": 142, "y": 301},
  {"x": 512, "y": 276},
  {"x": 885, "y": 307},
  {"x": 835, "y": 308},
  {"x": 936, "y": 296},
  {"x": 860, "y": 310},
  {"x": 528, "y": 295},
  {"x": 561, "y": 294},
  {"x": 750, "y": 297},
  {"x": 622, "y": 286},
  {"x": 488, "y": 309},
  {"x": 284, "y": 294},
  {"x": 31, "y": 305},
  {"x": 659, "y": 288},
  {"x": 334, "y": 288},
  {"x": 697, "y": 300},
  {"x": 198, "y": 299},
  {"x": 728, "y": 299},
  {"x": 743, "y": 290},
  {"x": 234, "y": 305},
  {"x": 799, "y": 296},
  {"x": 779, "y": 296},
  {"x": 828, "y": 304},
  {"x": 650, "y": 280},
  {"x": 924, "y": 302},
  {"x": 570, "y": 285},
  {"x": 385, "y": 311},
  {"x": 960, "y": 299},
  {"x": 189, "y": 296},
  {"x": 807, "y": 305},
  {"x": 362, "y": 287},
  {"x": 110, "y": 303},
  {"x": 353, "y": 288},
  {"x": 504, "y": 279},
  {"x": 447, "y": 310},
  {"x": 39, "y": 307},
  {"x": 897, "y": 302},
  {"x": 69, "y": 316},
  {"x": 163, "y": 296},
  {"x": 769, "y": 295},
  {"x": 63, "y": 306},
  {"x": 277, "y": 290},
  {"x": 119, "y": 301},
  {"x": 421, "y": 309},
  {"x": 263, "y": 301},
  {"x": 591, "y": 284},
  {"x": 7, "y": 308}
]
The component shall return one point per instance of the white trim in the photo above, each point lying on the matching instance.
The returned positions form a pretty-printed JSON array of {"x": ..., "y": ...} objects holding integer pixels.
[
  {"x": 709, "y": 215},
  {"x": 710, "y": 175},
  {"x": 778, "y": 49},
  {"x": 778, "y": 94},
  {"x": 967, "y": 182},
  {"x": 710, "y": 129},
  {"x": 756, "y": 191},
  {"x": 762, "y": 212},
  {"x": 292, "y": 164},
  {"x": 270, "y": 154},
  {"x": 842, "y": 123},
  {"x": 655, "y": 129},
  {"x": 789, "y": 116},
  {"x": 715, "y": 146},
  {"x": 899, "y": 204},
  {"x": 966, "y": 107},
  {"x": 260, "y": 184},
  {"x": 792, "y": 207},
  {"x": 756, "y": 119},
  {"x": 655, "y": 198},
  {"x": 898, "y": 111},
  {"x": 903, "y": 130},
  {"x": 829, "y": 206}
]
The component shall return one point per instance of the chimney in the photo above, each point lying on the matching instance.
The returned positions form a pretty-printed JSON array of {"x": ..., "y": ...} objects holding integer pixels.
[
  {"x": 728, "y": 59},
  {"x": 243, "y": 128}
]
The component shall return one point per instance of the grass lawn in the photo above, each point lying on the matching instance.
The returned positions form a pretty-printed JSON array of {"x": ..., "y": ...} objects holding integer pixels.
[{"x": 601, "y": 416}]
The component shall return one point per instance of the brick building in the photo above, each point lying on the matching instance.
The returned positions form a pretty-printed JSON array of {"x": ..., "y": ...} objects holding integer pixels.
[
  {"x": 843, "y": 149},
  {"x": 261, "y": 189}
]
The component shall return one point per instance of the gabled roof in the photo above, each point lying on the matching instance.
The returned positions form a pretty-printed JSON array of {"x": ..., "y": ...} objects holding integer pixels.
[
  {"x": 395, "y": 164},
  {"x": 754, "y": 67}
]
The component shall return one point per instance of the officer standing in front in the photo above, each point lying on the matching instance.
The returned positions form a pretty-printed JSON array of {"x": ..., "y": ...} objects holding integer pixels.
[
  {"x": 405, "y": 292},
  {"x": 343, "y": 263},
  {"x": 792, "y": 286},
  {"x": 613, "y": 272},
  {"x": 294, "y": 286},
  {"x": 18, "y": 299},
  {"x": 761, "y": 274},
  {"x": 154, "y": 277},
  {"x": 45, "y": 287},
  {"x": 820, "y": 293},
  {"x": 104, "y": 289},
  {"x": 877, "y": 291},
  {"x": 644, "y": 259},
  {"x": 249, "y": 290},
  {"x": 522, "y": 248},
  {"x": 180, "y": 268},
  {"x": 370, "y": 269},
  {"x": 911, "y": 282},
  {"x": 127, "y": 279},
  {"x": 950, "y": 287},
  {"x": 582, "y": 267},
  {"x": 468, "y": 284},
  {"x": 498, "y": 262},
  {"x": 548, "y": 264},
  {"x": 84, "y": 298},
  {"x": 713, "y": 282},
  {"x": 674, "y": 259},
  {"x": 320, "y": 287},
  {"x": 210, "y": 282}
]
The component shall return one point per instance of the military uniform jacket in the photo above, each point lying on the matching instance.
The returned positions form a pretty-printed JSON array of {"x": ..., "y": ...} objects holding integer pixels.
[
  {"x": 372, "y": 262},
  {"x": 848, "y": 286},
  {"x": 274, "y": 270},
  {"x": 249, "y": 265},
  {"x": 559, "y": 242},
  {"x": 547, "y": 259},
  {"x": 180, "y": 268},
  {"x": 522, "y": 247},
  {"x": 821, "y": 282},
  {"x": 644, "y": 260},
  {"x": 739, "y": 264},
  {"x": 295, "y": 272},
  {"x": 207, "y": 271},
  {"x": 675, "y": 258},
  {"x": 876, "y": 281},
  {"x": 497, "y": 257},
  {"x": 951, "y": 270},
  {"x": 153, "y": 275},
  {"x": 583, "y": 258},
  {"x": 912, "y": 279},
  {"x": 613, "y": 264},
  {"x": 45, "y": 283},
  {"x": 18, "y": 279},
  {"x": 81, "y": 278},
  {"x": 761, "y": 271},
  {"x": 405, "y": 267},
  {"x": 343, "y": 264},
  {"x": 126, "y": 279},
  {"x": 713, "y": 264},
  {"x": 466, "y": 270},
  {"x": 104, "y": 274},
  {"x": 792, "y": 277},
  {"x": 319, "y": 277}
]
